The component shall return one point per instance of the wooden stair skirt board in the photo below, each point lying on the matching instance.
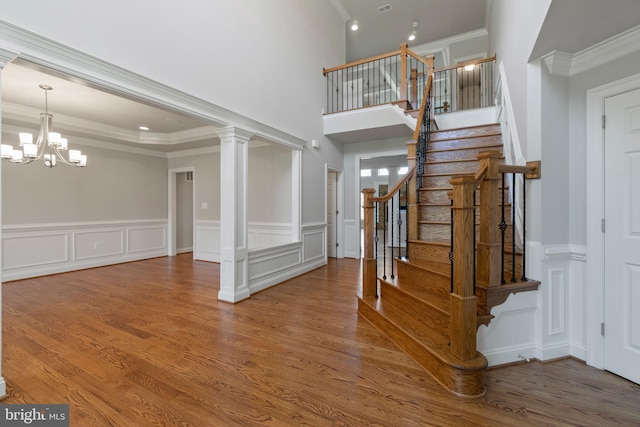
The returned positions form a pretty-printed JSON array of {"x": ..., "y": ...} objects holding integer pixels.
[{"x": 464, "y": 379}]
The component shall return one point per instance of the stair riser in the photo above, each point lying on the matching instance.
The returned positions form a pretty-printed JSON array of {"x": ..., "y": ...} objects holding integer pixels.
[
  {"x": 434, "y": 213},
  {"x": 442, "y": 232},
  {"x": 465, "y": 132},
  {"x": 435, "y": 318},
  {"x": 487, "y": 141},
  {"x": 434, "y": 288},
  {"x": 426, "y": 252},
  {"x": 464, "y": 154},
  {"x": 462, "y": 382},
  {"x": 453, "y": 167}
]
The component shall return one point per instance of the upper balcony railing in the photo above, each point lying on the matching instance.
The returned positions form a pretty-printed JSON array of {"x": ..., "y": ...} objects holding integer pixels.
[
  {"x": 400, "y": 77},
  {"x": 464, "y": 86},
  {"x": 393, "y": 78}
]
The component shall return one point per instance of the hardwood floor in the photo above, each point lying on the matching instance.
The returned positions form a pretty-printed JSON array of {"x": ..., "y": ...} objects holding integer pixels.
[{"x": 149, "y": 344}]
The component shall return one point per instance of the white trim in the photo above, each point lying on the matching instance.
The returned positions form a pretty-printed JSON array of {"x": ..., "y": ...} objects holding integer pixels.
[
  {"x": 339, "y": 206},
  {"x": 76, "y": 246},
  {"x": 443, "y": 44},
  {"x": 618, "y": 46},
  {"x": 595, "y": 213}
]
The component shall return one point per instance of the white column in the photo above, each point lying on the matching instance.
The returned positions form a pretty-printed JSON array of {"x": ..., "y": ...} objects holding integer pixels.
[
  {"x": 234, "y": 254},
  {"x": 5, "y": 57}
]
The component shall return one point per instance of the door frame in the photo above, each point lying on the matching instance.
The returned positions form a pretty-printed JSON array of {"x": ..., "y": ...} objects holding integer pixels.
[
  {"x": 339, "y": 222},
  {"x": 595, "y": 289},
  {"x": 171, "y": 209}
]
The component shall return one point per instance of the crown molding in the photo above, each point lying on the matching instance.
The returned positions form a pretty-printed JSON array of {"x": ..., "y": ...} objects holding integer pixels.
[
  {"x": 106, "y": 76},
  {"x": 567, "y": 64},
  {"x": 339, "y": 7},
  {"x": 443, "y": 44},
  {"x": 6, "y": 56},
  {"x": 17, "y": 112}
]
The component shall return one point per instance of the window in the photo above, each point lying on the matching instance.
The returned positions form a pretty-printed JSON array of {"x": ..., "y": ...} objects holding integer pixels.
[
  {"x": 383, "y": 172},
  {"x": 403, "y": 171},
  {"x": 365, "y": 172}
]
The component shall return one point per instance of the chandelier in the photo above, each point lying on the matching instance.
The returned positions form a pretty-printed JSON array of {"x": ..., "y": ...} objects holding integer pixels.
[{"x": 48, "y": 146}]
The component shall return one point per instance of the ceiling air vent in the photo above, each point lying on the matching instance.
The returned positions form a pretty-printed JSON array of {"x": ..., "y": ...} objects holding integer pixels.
[{"x": 385, "y": 8}]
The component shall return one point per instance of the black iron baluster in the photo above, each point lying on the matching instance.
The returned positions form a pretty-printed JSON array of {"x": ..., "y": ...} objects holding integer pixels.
[
  {"x": 384, "y": 241},
  {"x": 451, "y": 251},
  {"x": 524, "y": 227},
  {"x": 503, "y": 228},
  {"x": 474, "y": 242},
  {"x": 375, "y": 241},
  {"x": 391, "y": 227},
  {"x": 406, "y": 216},
  {"x": 513, "y": 228}
]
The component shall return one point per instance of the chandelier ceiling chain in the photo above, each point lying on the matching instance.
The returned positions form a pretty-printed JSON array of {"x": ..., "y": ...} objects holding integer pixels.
[{"x": 47, "y": 147}]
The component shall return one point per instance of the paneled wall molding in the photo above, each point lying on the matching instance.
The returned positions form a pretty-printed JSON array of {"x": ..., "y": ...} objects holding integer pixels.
[
  {"x": 351, "y": 239},
  {"x": 568, "y": 64},
  {"x": 573, "y": 252},
  {"x": 48, "y": 53},
  {"x": 41, "y": 249}
]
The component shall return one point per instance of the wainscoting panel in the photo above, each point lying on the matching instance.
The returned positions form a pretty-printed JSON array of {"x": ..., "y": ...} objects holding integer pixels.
[
  {"x": 351, "y": 239},
  {"x": 143, "y": 239},
  {"x": 36, "y": 250},
  {"x": 24, "y": 250},
  {"x": 274, "y": 265},
  {"x": 313, "y": 242},
  {"x": 266, "y": 235},
  {"x": 207, "y": 242},
  {"x": 97, "y": 244}
]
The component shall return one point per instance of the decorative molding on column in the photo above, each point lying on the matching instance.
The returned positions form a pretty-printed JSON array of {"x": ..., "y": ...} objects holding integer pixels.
[
  {"x": 234, "y": 132},
  {"x": 6, "y": 56}
]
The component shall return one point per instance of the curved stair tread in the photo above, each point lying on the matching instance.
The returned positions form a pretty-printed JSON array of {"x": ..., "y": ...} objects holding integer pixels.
[{"x": 435, "y": 343}]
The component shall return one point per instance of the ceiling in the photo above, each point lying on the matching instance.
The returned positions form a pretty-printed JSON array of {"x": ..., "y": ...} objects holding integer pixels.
[
  {"x": 83, "y": 111},
  {"x": 384, "y": 32},
  {"x": 574, "y": 25}
]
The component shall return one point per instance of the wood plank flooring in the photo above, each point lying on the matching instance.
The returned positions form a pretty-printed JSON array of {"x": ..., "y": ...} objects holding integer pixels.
[{"x": 149, "y": 344}]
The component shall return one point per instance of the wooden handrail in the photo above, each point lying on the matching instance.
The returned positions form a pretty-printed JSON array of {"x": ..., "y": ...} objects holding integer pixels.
[
  {"x": 532, "y": 169},
  {"x": 462, "y": 64},
  {"x": 425, "y": 96},
  {"x": 325, "y": 71},
  {"x": 426, "y": 62},
  {"x": 482, "y": 172},
  {"x": 396, "y": 188}
]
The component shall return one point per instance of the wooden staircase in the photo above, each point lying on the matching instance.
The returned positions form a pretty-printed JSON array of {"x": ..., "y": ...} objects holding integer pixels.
[{"x": 419, "y": 311}]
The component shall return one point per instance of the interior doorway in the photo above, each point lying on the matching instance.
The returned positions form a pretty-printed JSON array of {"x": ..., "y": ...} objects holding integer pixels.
[
  {"x": 181, "y": 214},
  {"x": 334, "y": 208}
]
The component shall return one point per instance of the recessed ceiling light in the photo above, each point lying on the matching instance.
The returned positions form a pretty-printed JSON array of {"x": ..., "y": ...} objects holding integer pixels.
[
  {"x": 354, "y": 26},
  {"x": 412, "y": 36},
  {"x": 143, "y": 128}
]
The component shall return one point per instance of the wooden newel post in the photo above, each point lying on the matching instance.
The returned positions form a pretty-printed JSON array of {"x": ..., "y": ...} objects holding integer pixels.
[
  {"x": 462, "y": 326},
  {"x": 369, "y": 262},
  {"x": 489, "y": 243}
]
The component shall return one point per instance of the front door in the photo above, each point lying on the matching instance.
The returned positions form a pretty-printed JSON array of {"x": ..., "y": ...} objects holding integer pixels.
[{"x": 622, "y": 235}]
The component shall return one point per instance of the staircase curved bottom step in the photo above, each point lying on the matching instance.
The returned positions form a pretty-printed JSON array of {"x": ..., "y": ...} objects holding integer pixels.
[{"x": 462, "y": 378}]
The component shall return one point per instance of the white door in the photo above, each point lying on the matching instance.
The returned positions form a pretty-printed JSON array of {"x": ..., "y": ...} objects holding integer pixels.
[
  {"x": 332, "y": 209},
  {"x": 622, "y": 235}
]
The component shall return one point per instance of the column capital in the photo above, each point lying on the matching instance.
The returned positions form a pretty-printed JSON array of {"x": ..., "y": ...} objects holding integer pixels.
[
  {"x": 6, "y": 56},
  {"x": 232, "y": 132}
]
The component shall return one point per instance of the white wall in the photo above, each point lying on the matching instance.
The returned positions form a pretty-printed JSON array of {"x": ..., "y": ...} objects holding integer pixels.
[
  {"x": 115, "y": 185},
  {"x": 513, "y": 29},
  {"x": 261, "y": 59}
]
